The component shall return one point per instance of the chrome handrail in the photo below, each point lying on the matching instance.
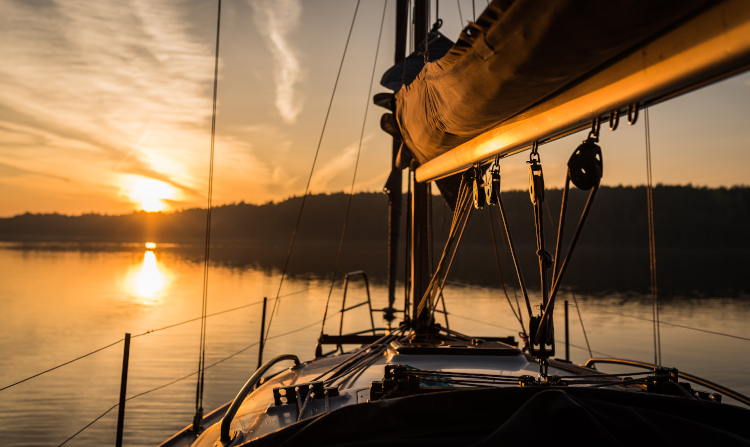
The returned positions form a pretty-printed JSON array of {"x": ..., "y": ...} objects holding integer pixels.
[
  {"x": 343, "y": 304},
  {"x": 695, "y": 379},
  {"x": 226, "y": 421}
]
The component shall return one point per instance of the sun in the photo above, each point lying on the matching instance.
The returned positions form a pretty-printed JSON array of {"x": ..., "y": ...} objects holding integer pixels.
[{"x": 149, "y": 194}]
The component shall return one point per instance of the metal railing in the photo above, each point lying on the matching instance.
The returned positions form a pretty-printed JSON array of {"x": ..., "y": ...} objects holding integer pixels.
[{"x": 226, "y": 421}]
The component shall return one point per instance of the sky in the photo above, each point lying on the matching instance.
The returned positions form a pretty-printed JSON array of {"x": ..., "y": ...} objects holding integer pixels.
[{"x": 106, "y": 107}]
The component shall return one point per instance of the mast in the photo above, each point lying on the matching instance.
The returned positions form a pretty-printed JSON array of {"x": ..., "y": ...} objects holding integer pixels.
[
  {"x": 394, "y": 185},
  {"x": 420, "y": 274}
]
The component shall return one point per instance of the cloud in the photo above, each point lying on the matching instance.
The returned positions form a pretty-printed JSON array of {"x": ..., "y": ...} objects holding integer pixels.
[
  {"x": 326, "y": 176},
  {"x": 103, "y": 89},
  {"x": 275, "y": 20}
]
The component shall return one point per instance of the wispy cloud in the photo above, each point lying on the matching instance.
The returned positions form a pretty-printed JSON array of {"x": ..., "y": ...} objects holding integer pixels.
[
  {"x": 104, "y": 89},
  {"x": 275, "y": 19},
  {"x": 329, "y": 176}
]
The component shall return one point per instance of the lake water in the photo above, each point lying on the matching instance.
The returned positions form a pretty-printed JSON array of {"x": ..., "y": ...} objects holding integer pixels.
[{"x": 60, "y": 301}]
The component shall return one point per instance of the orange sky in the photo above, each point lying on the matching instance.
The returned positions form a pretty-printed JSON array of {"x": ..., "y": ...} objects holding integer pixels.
[{"x": 106, "y": 106}]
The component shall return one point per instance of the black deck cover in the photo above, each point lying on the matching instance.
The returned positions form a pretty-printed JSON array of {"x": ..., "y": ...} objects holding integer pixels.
[
  {"x": 522, "y": 416},
  {"x": 518, "y": 54}
]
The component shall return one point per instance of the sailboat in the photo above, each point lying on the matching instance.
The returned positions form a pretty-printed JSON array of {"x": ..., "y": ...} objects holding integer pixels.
[{"x": 523, "y": 74}]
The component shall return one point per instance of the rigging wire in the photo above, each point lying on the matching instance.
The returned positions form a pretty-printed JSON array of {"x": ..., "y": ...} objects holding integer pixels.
[
  {"x": 460, "y": 16},
  {"x": 515, "y": 291},
  {"x": 356, "y": 165},
  {"x": 309, "y": 178},
  {"x": 202, "y": 351},
  {"x": 581, "y": 320},
  {"x": 474, "y": 9},
  {"x": 500, "y": 271},
  {"x": 652, "y": 244}
]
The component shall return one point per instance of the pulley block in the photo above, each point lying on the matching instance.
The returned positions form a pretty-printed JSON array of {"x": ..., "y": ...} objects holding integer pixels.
[
  {"x": 536, "y": 183},
  {"x": 493, "y": 187},
  {"x": 585, "y": 165},
  {"x": 480, "y": 199},
  {"x": 545, "y": 348}
]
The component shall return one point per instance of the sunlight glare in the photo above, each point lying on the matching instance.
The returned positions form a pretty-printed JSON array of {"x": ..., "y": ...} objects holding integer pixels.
[
  {"x": 149, "y": 280},
  {"x": 149, "y": 194},
  {"x": 150, "y": 245}
]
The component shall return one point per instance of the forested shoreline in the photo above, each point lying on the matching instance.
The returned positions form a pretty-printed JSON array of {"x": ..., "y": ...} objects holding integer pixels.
[{"x": 685, "y": 216}]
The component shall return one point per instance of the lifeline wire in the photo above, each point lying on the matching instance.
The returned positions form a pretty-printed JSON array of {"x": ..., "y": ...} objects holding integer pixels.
[
  {"x": 356, "y": 165},
  {"x": 652, "y": 244},
  {"x": 309, "y": 178},
  {"x": 187, "y": 376},
  {"x": 202, "y": 352},
  {"x": 151, "y": 331},
  {"x": 61, "y": 365},
  {"x": 675, "y": 325}
]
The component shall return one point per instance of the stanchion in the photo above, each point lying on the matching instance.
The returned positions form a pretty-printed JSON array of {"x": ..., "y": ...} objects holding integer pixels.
[
  {"x": 262, "y": 333},
  {"x": 567, "y": 339},
  {"x": 123, "y": 390}
]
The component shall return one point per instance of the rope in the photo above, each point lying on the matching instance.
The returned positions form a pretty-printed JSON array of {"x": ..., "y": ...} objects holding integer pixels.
[
  {"x": 202, "y": 351},
  {"x": 61, "y": 365},
  {"x": 461, "y": 214},
  {"x": 309, "y": 178},
  {"x": 509, "y": 329},
  {"x": 581, "y": 320},
  {"x": 356, "y": 165},
  {"x": 500, "y": 272},
  {"x": 515, "y": 292},
  {"x": 652, "y": 245}
]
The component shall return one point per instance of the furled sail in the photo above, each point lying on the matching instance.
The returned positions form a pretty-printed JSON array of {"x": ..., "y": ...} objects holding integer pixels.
[{"x": 520, "y": 54}]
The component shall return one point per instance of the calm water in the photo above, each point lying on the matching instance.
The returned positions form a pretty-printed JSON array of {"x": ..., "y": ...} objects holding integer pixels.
[{"x": 62, "y": 301}]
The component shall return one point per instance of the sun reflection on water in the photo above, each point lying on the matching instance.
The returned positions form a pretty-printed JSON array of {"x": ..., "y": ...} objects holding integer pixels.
[{"x": 149, "y": 280}]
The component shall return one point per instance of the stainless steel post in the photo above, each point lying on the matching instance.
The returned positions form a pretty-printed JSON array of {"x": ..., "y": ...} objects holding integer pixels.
[
  {"x": 567, "y": 340},
  {"x": 262, "y": 333},
  {"x": 123, "y": 391}
]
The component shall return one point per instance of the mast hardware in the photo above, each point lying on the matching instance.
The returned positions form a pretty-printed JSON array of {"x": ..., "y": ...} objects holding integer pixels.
[
  {"x": 395, "y": 382},
  {"x": 632, "y": 114},
  {"x": 585, "y": 165},
  {"x": 492, "y": 184},
  {"x": 536, "y": 176},
  {"x": 614, "y": 119},
  {"x": 287, "y": 395},
  {"x": 477, "y": 182}
]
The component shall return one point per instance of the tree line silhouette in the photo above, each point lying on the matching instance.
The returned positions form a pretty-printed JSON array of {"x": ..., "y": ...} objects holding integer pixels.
[
  {"x": 684, "y": 216},
  {"x": 701, "y": 238}
]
